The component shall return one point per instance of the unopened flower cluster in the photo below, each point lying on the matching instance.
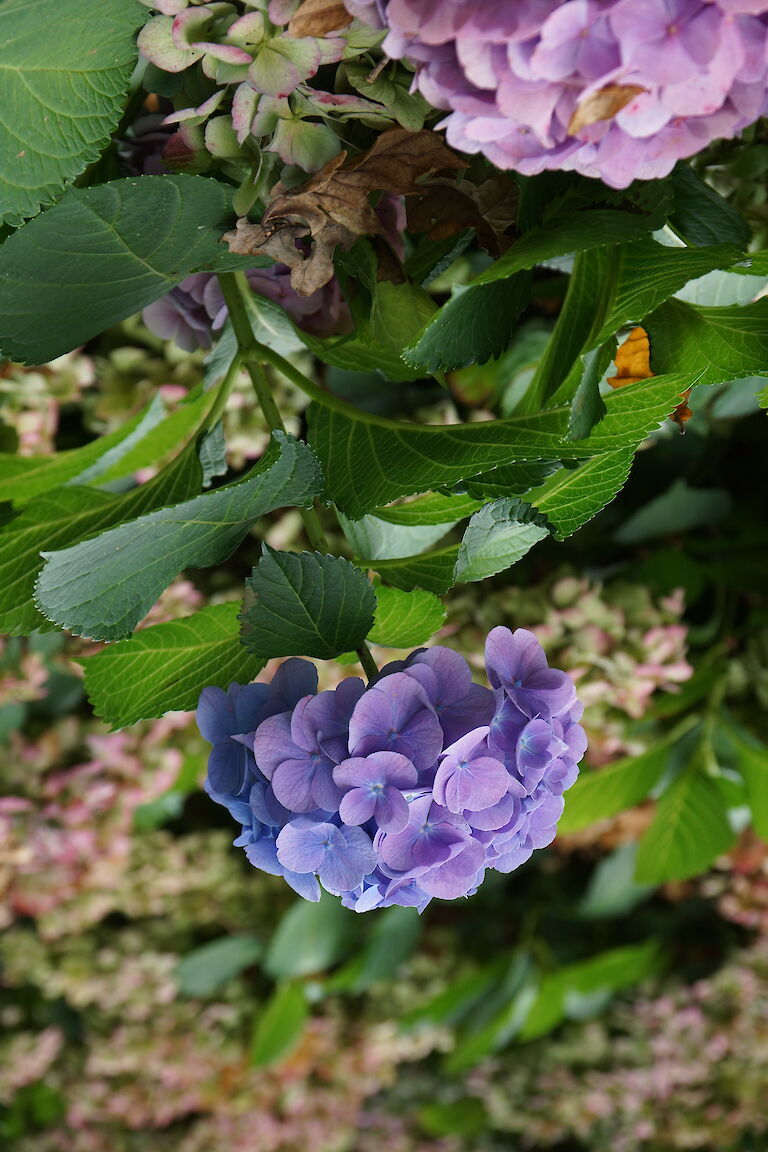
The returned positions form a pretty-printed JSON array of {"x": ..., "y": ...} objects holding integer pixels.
[
  {"x": 408, "y": 789},
  {"x": 614, "y": 89}
]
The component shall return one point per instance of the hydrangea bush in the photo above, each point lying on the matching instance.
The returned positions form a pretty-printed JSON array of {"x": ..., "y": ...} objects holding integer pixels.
[{"x": 269, "y": 181}]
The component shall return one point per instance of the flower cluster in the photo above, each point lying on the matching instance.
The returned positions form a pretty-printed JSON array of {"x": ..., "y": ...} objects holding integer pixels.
[
  {"x": 615, "y": 89},
  {"x": 194, "y": 311},
  {"x": 405, "y": 790}
]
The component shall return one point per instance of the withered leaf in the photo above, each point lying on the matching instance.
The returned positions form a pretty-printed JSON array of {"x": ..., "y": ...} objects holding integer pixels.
[
  {"x": 603, "y": 105},
  {"x": 317, "y": 17},
  {"x": 633, "y": 363},
  {"x": 447, "y": 207},
  {"x": 333, "y": 206}
]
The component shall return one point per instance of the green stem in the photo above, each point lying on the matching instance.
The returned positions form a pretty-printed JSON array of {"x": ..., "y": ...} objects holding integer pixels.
[{"x": 235, "y": 290}]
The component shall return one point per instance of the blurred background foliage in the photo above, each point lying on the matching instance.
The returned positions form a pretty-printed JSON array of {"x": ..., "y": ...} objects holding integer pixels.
[{"x": 157, "y": 993}]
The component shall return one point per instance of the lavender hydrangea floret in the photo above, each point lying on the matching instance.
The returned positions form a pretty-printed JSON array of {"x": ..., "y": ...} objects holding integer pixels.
[{"x": 405, "y": 790}]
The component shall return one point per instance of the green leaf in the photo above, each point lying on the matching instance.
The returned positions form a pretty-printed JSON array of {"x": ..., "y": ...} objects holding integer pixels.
[
  {"x": 497, "y": 537},
  {"x": 164, "y": 668},
  {"x": 102, "y": 587},
  {"x": 587, "y": 406},
  {"x": 562, "y": 991},
  {"x": 701, "y": 215},
  {"x": 66, "y": 515},
  {"x": 473, "y": 327},
  {"x": 430, "y": 258},
  {"x": 398, "y": 313},
  {"x": 377, "y": 539},
  {"x": 394, "y": 937},
  {"x": 208, "y": 968},
  {"x": 213, "y": 454},
  {"x": 305, "y": 605},
  {"x": 432, "y": 571},
  {"x": 101, "y": 254},
  {"x": 648, "y": 273},
  {"x": 510, "y": 479},
  {"x": 370, "y": 461},
  {"x": 574, "y": 495},
  {"x": 612, "y": 889},
  {"x": 712, "y": 344},
  {"x": 604, "y": 792},
  {"x": 751, "y": 759},
  {"x": 310, "y": 938},
  {"x": 64, "y": 72},
  {"x": 405, "y": 619},
  {"x": 679, "y": 509},
  {"x": 690, "y": 829},
  {"x": 430, "y": 509},
  {"x": 279, "y": 1026}
]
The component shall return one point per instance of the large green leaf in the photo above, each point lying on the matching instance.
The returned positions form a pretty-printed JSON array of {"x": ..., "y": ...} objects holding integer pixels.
[
  {"x": 369, "y": 461},
  {"x": 64, "y": 72},
  {"x": 405, "y": 619},
  {"x": 101, "y": 254},
  {"x": 714, "y": 344},
  {"x": 603, "y": 792},
  {"x": 305, "y": 605},
  {"x": 59, "y": 518},
  {"x": 690, "y": 829},
  {"x": 471, "y": 330},
  {"x": 574, "y": 495},
  {"x": 164, "y": 668},
  {"x": 102, "y": 587},
  {"x": 497, "y": 536}
]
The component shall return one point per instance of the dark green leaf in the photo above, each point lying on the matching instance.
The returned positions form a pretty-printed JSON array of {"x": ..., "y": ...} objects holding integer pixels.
[
  {"x": 305, "y": 605},
  {"x": 587, "y": 406},
  {"x": 510, "y": 479},
  {"x": 701, "y": 215},
  {"x": 64, "y": 72},
  {"x": 432, "y": 570},
  {"x": 430, "y": 509},
  {"x": 689, "y": 831},
  {"x": 213, "y": 455},
  {"x": 66, "y": 515},
  {"x": 405, "y": 619},
  {"x": 709, "y": 344},
  {"x": 574, "y": 495},
  {"x": 164, "y": 668},
  {"x": 369, "y": 460},
  {"x": 430, "y": 258},
  {"x": 208, "y": 968},
  {"x": 474, "y": 326},
  {"x": 102, "y": 587},
  {"x": 398, "y": 313},
  {"x": 101, "y": 254},
  {"x": 279, "y": 1025}
]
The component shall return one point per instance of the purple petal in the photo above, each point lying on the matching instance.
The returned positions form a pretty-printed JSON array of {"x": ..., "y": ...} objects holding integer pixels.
[
  {"x": 457, "y": 876},
  {"x": 272, "y": 743},
  {"x": 292, "y": 783},
  {"x": 348, "y": 861},
  {"x": 357, "y": 806},
  {"x": 391, "y": 812},
  {"x": 302, "y": 844}
]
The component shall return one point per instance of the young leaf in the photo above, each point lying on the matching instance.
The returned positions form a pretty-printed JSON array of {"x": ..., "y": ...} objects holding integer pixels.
[
  {"x": 497, "y": 537},
  {"x": 473, "y": 327},
  {"x": 64, "y": 71},
  {"x": 209, "y": 967},
  {"x": 101, "y": 254},
  {"x": 279, "y": 1026},
  {"x": 305, "y": 605},
  {"x": 690, "y": 829},
  {"x": 369, "y": 460},
  {"x": 164, "y": 668},
  {"x": 102, "y": 587},
  {"x": 604, "y": 792},
  {"x": 405, "y": 619},
  {"x": 61, "y": 518},
  {"x": 574, "y": 495}
]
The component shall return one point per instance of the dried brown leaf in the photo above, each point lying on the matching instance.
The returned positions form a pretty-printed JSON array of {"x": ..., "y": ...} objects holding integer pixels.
[
  {"x": 603, "y": 105},
  {"x": 333, "y": 206},
  {"x": 318, "y": 17}
]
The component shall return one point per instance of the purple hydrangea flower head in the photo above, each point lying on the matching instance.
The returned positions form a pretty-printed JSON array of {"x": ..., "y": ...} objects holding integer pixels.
[
  {"x": 614, "y": 89},
  {"x": 403, "y": 791}
]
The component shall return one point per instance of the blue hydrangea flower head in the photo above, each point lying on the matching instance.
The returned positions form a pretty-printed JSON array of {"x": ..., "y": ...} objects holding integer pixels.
[{"x": 402, "y": 791}]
